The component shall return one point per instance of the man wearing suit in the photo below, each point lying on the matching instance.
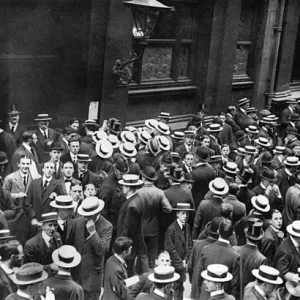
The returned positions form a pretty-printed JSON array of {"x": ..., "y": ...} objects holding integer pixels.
[
  {"x": 188, "y": 145},
  {"x": 188, "y": 162},
  {"x": 251, "y": 258},
  {"x": 74, "y": 147},
  {"x": 286, "y": 116},
  {"x": 67, "y": 135},
  {"x": 226, "y": 135},
  {"x": 39, "y": 249},
  {"x": 44, "y": 134},
  {"x": 241, "y": 112},
  {"x": 13, "y": 126},
  {"x": 116, "y": 273},
  {"x": 155, "y": 201},
  {"x": 92, "y": 239},
  {"x": 17, "y": 184},
  {"x": 211, "y": 208},
  {"x": 41, "y": 192},
  {"x": 67, "y": 180},
  {"x": 214, "y": 132},
  {"x": 202, "y": 175},
  {"x": 178, "y": 242},
  {"x": 64, "y": 288},
  {"x": 287, "y": 256},
  {"x": 221, "y": 252},
  {"x": 230, "y": 120}
]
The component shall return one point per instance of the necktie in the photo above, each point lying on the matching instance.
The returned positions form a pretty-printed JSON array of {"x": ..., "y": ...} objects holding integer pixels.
[
  {"x": 45, "y": 134},
  {"x": 51, "y": 244},
  {"x": 81, "y": 176},
  {"x": 45, "y": 183},
  {"x": 13, "y": 128},
  {"x": 25, "y": 182}
]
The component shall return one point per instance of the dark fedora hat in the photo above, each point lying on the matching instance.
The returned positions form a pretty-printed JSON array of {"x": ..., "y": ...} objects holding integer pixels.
[
  {"x": 203, "y": 154},
  {"x": 3, "y": 158},
  {"x": 245, "y": 175},
  {"x": 254, "y": 230},
  {"x": 56, "y": 146},
  {"x": 13, "y": 110},
  {"x": 176, "y": 174},
  {"x": 239, "y": 135},
  {"x": 266, "y": 158},
  {"x": 188, "y": 178},
  {"x": 292, "y": 130},
  {"x": 91, "y": 123},
  {"x": 30, "y": 273},
  {"x": 149, "y": 173},
  {"x": 167, "y": 159},
  {"x": 5, "y": 234},
  {"x": 213, "y": 226}
]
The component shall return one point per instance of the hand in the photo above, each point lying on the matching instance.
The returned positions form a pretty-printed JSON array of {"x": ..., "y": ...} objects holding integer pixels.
[
  {"x": 268, "y": 190},
  {"x": 53, "y": 195},
  {"x": 276, "y": 190},
  {"x": 21, "y": 195},
  {"x": 49, "y": 295},
  {"x": 54, "y": 267},
  {"x": 35, "y": 222},
  {"x": 90, "y": 227},
  {"x": 184, "y": 264}
]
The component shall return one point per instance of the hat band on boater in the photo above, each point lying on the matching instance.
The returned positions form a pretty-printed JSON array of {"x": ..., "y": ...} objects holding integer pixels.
[
  {"x": 267, "y": 276},
  {"x": 214, "y": 275},
  {"x": 65, "y": 260},
  {"x": 220, "y": 189},
  {"x": 260, "y": 205},
  {"x": 163, "y": 276},
  {"x": 90, "y": 208},
  {"x": 29, "y": 277},
  {"x": 295, "y": 229},
  {"x": 130, "y": 180},
  {"x": 65, "y": 203}
]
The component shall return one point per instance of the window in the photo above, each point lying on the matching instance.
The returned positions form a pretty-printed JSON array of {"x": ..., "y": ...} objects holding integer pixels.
[{"x": 168, "y": 56}]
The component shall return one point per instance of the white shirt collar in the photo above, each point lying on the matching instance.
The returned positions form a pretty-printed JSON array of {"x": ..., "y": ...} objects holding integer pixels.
[
  {"x": 180, "y": 224},
  {"x": 6, "y": 269},
  {"x": 23, "y": 175},
  {"x": 42, "y": 131},
  {"x": 73, "y": 155},
  {"x": 46, "y": 238},
  {"x": 288, "y": 172},
  {"x": 60, "y": 272},
  {"x": 222, "y": 240},
  {"x": 219, "y": 292},
  {"x": 65, "y": 141},
  {"x": 27, "y": 146},
  {"x": 11, "y": 125},
  {"x": 243, "y": 110},
  {"x": 290, "y": 109},
  {"x": 260, "y": 291},
  {"x": 159, "y": 293},
  {"x": 175, "y": 183},
  {"x": 48, "y": 179},
  {"x": 120, "y": 259},
  {"x": 24, "y": 295},
  {"x": 275, "y": 229},
  {"x": 261, "y": 184}
]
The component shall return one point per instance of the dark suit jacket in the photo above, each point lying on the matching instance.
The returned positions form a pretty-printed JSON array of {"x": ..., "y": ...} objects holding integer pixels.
[
  {"x": 252, "y": 294},
  {"x": 285, "y": 120},
  {"x": 244, "y": 195},
  {"x": 7, "y": 145},
  {"x": 269, "y": 243},
  {"x": 287, "y": 258},
  {"x": 239, "y": 208},
  {"x": 63, "y": 144},
  {"x": 215, "y": 146},
  {"x": 63, "y": 184},
  {"x": 7, "y": 205},
  {"x": 284, "y": 181},
  {"x": 181, "y": 150},
  {"x": 89, "y": 177},
  {"x": 68, "y": 234},
  {"x": 23, "y": 151},
  {"x": 36, "y": 250},
  {"x": 251, "y": 259},
  {"x": 179, "y": 244},
  {"x": 230, "y": 121},
  {"x": 277, "y": 164},
  {"x": 226, "y": 135},
  {"x": 17, "y": 134},
  {"x": 221, "y": 253},
  {"x": 202, "y": 175},
  {"x": 64, "y": 288},
  {"x": 114, "y": 284},
  {"x": 7, "y": 286},
  {"x": 15, "y": 296},
  {"x": 89, "y": 274},
  {"x": 58, "y": 174},
  {"x": 37, "y": 201},
  {"x": 146, "y": 159},
  {"x": 239, "y": 117},
  {"x": 99, "y": 164},
  {"x": 291, "y": 210}
]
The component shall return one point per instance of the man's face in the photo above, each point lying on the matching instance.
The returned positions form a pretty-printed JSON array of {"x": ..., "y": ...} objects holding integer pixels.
[
  {"x": 55, "y": 155},
  {"x": 249, "y": 158},
  {"x": 82, "y": 166},
  {"x": 206, "y": 142},
  {"x": 76, "y": 192},
  {"x": 68, "y": 169},
  {"x": 43, "y": 125},
  {"x": 75, "y": 126},
  {"x": 296, "y": 150},
  {"x": 245, "y": 106},
  {"x": 225, "y": 151},
  {"x": 65, "y": 213},
  {"x": 74, "y": 147},
  {"x": 14, "y": 119},
  {"x": 189, "y": 160},
  {"x": 210, "y": 286},
  {"x": 125, "y": 189},
  {"x": 90, "y": 190},
  {"x": 183, "y": 216},
  {"x": 36, "y": 289},
  {"x": 222, "y": 118},
  {"x": 163, "y": 259},
  {"x": 188, "y": 140},
  {"x": 24, "y": 165},
  {"x": 216, "y": 165},
  {"x": 276, "y": 220},
  {"x": 49, "y": 228},
  {"x": 48, "y": 169},
  {"x": 269, "y": 288}
]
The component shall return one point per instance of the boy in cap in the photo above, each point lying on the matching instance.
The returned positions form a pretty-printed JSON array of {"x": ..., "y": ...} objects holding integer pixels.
[{"x": 178, "y": 242}]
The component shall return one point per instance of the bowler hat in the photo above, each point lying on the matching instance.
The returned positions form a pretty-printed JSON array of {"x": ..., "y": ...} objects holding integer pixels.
[
  {"x": 66, "y": 257},
  {"x": 90, "y": 206},
  {"x": 203, "y": 154},
  {"x": 63, "y": 201},
  {"x": 5, "y": 234},
  {"x": 3, "y": 158},
  {"x": 13, "y": 110},
  {"x": 268, "y": 174},
  {"x": 48, "y": 217},
  {"x": 266, "y": 158},
  {"x": 29, "y": 273},
  {"x": 218, "y": 186},
  {"x": 42, "y": 117},
  {"x": 267, "y": 274},
  {"x": 176, "y": 174},
  {"x": 216, "y": 273},
  {"x": 104, "y": 149},
  {"x": 56, "y": 146},
  {"x": 243, "y": 101},
  {"x": 239, "y": 135},
  {"x": 292, "y": 130},
  {"x": 164, "y": 274},
  {"x": 213, "y": 226},
  {"x": 149, "y": 173},
  {"x": 245, "y": 175},
  {"x": 130, "y": 180},
  {"x": 260, "y": 203},
  {"x": 254, "y": 230}
]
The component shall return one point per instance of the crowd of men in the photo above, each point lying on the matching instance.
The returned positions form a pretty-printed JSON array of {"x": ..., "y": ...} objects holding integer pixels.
[{"x": 117, "y": 212}]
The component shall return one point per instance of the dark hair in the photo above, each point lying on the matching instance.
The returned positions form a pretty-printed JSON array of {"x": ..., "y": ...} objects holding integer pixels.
[
  {"x": 202, "y": 137},
  {"x": 74, "y": 140},
  {"x": 224, "y": 145},
  {"x": 230, "y": 109},
  {"x": 225, "y": 229},
  {"x": 75, "y": 184},
  {"x": 8, "y": 249},
  {"x": 121, "y": 244},
  {"x": 226, "y": 210},
  {"x": 68, "y": 130},
  {"x": 73, "y": 120},
  {"x": 27, "y": 135},
  {"x": 66, "y": 162},
  {"x": 24, "y": 156},
  {"x": 85, "y": 187},
  {"x": 188, "y": 153},
  {"x": 221, "y": 113},
  {"x": 272, "y": 212},
  {"x": 91, "y": 128},
  {"x": 233, "y": 188}
]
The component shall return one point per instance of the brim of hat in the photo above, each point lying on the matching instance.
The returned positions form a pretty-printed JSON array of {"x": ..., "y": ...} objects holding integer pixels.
[
  {"x": 255, "y": 132},
  {"x": 163, "y": 132},
  {"x": 176, "y": 179},
  {"x": 107, "y": 155},
  {"x": 21, "y": 282},
  {"x": 242, "y": 137},
  {"x": 292, "y": 165},
  {"x": 289, "y": 229},
  {"x": 124, "y": 140},
  {"x": 189, "y": 180},
  {"x": 183, "y": 209},
  {"x": 4, "y": 162},
  {"x": 259, "y": 208},
  {"x": 91, "y": 213},
  {"x": 128, "y": 154},
  {"x": 174, "y": 278},
  {"x": 244, "y": 102},
  {"x": 209, "y": 278},
  {"x": 255, "y": 273},
  {"x": 255, "y": 238},
  {"x": 209, "y": 231},
  {"x": 57, "y": 148},
  {"x": 293, "y": 288},
  {"x": 214, "y": 130},
  {"x": 140, "y": 182},
  {"x": 229, "y": 171},
  {"x": 84, "y": 160},
  {"x": 176, "y": 137},
  {"x": 117, "y": 145},
  {"x": 251, "y": 153},
  {"x": 271, "y": 180},
  {"x": 165, "y": 148},
  {"x": 226, "y": 189},
  {"x": 204, "y": 160},
  {"x": 49, "y": 220},
  {"x": 147, "y": 123},
  {"x": 74, "y": 263},
  {"x": 263, "y": 145},
  {"x": 43, "y": 119},
  {"x": 15, "y": 112},
  {"x": 91, "y": 124},
  {"x": 149, "y": 178},
  {"x": 7, "y": 237},
  {"x": 53, "y": 204}
]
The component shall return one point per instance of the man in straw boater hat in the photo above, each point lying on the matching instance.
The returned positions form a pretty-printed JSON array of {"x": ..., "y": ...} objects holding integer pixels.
[
  {"x": 13, "y": 126},
  {"x": 251, "y": 257},
  {"x": 178, "y": 242},
  {"x": 287, "y": 256},
  {"x": 280, "y": 154},
  {"x": 92, "y": 239},
  {"x": 164, "y": 117},
  {"x": 62, "y": 284},
  {"x": 188, "y": 145},
  {"x": 286, "y": 115},
  {"x": 214, "y": 278},
  {"x": 40, "y": 248},
  {"x": 251, "y": 132},
  {"x": 128, "y": 150},
  {"x": 90, "y": 126},
  {"x": 148, "y": 158},
  {"x": 241, "y": 112},
  {"x": 290, "y": 291},
  {"x": 214, "y": 132},
  {"x": 155, "y": 201},
  {"x": 267, "y": 281},
  {"x": 30, "y": 282},
  {"x": 163, "y": 277},
  {"x": 210, "y": 208}
]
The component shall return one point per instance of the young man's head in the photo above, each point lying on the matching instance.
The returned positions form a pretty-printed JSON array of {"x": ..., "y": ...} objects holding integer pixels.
[
  {"x": 43, "y": 125},
  {"x": 27, "y": 137},
  {"x": 74, "y": 146},
  {"x": 74, "y": 123},
  {"x": 49, "y": 227},
  {"x": 55, "y": 155},
  {"x": 183, "y": 216},
  {"x": 68, "y": 169},
  {"x": 48, "y": 169},
  {"x": 68, "y": 133},
  {"x": 24, "y": 164},
  {"x": 76, "y": 191},
  {"x": 205, "y": 141},
  {"x": 222, "y": 117},
  {"x": 225, "y": 150},
  {"x": 82, "y": 165},
  {"x": 275, "y": 218},
  {"x": 189, "y": 159},
  {"x": 225, "y": 229},
  {"x": 163, "y": 259},
  {"x": 189, "y": 138},
  {"x": 12, "y": 254},
  {"x": 122, "y": 246},
  {"x": 89, "y": 190}
]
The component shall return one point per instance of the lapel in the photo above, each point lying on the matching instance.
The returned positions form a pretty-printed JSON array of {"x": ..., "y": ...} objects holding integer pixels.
[
  {"x": 275, "y": 236},
  {"x": 179, "y": 232},
  {"x": 19, "y": 181},
  {"x": 6, "y": 280},
  {"x": 63, "y": 184},
  {"x": 293, "y": 250},
  {"x": 47, "y": 191},
  {"x": 122, "y": 266},
  {"x": 257, "y": 294}
]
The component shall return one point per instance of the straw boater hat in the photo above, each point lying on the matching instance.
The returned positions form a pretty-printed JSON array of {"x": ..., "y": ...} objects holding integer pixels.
[
  {"x": 66, "y": 257},
  {"x": 130, "y": 180},
  {"x": 293, "y": 287},
  {"x": 63, "y": 201},
  {"x": 189, "y": 133},
  {"x": 267, "y": 274},
  {"x": 250, "y": 150},
  {"x": 183, "y": 207},
  {"x": 261, "y": 203},
  {"x": 218, "y": 186},
  {"x": 262, "y": 142},
  {"x": 113, "y": 139},
  {"x": 216, "y": 273},
  {"x": 178, "y": 135},
  {"x": 162, "y": 128},
  {"x": 29, "y": 273},
  {"x": 164, "y": 274},
  {"x": 252, "y": 129},
  {"x": 83, "y": 157},
  {"x": 91, "y": 123},
  {"x": 294, "y": 229},
  {"x": 128, "y": 149},
  {"x": 42, "y": 117},
  {"x": 144, "y": 136},
  {"x": 49, "y": 217},
  {"x": 91, "y": 206},
  {"x": 243, "y": 101},
  {"x": 254, "y": 230},
  {"x": 5, "y": 234},
  {"x": 251, "y": 110},
  {"x": 99, "y": 135},
  {"x": 13, "y": 110},
  {"x": 214, "y": 128},
  {"x": 128, "y": 137},
  {"x": 216, "y": 159},
  {"x": 151, "y": 123},
  {"x": 230, "y": 167},
  {"x": 104, "y": 149},
  {"x": 267, "y": 120},
  {"x": 164, "y": 115},
  {"x": 291, "y": 161},
  {"x": 292, "y": 101},
  {"x": 164, "y": 143},
  {"x": 279, "y": 150}
]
